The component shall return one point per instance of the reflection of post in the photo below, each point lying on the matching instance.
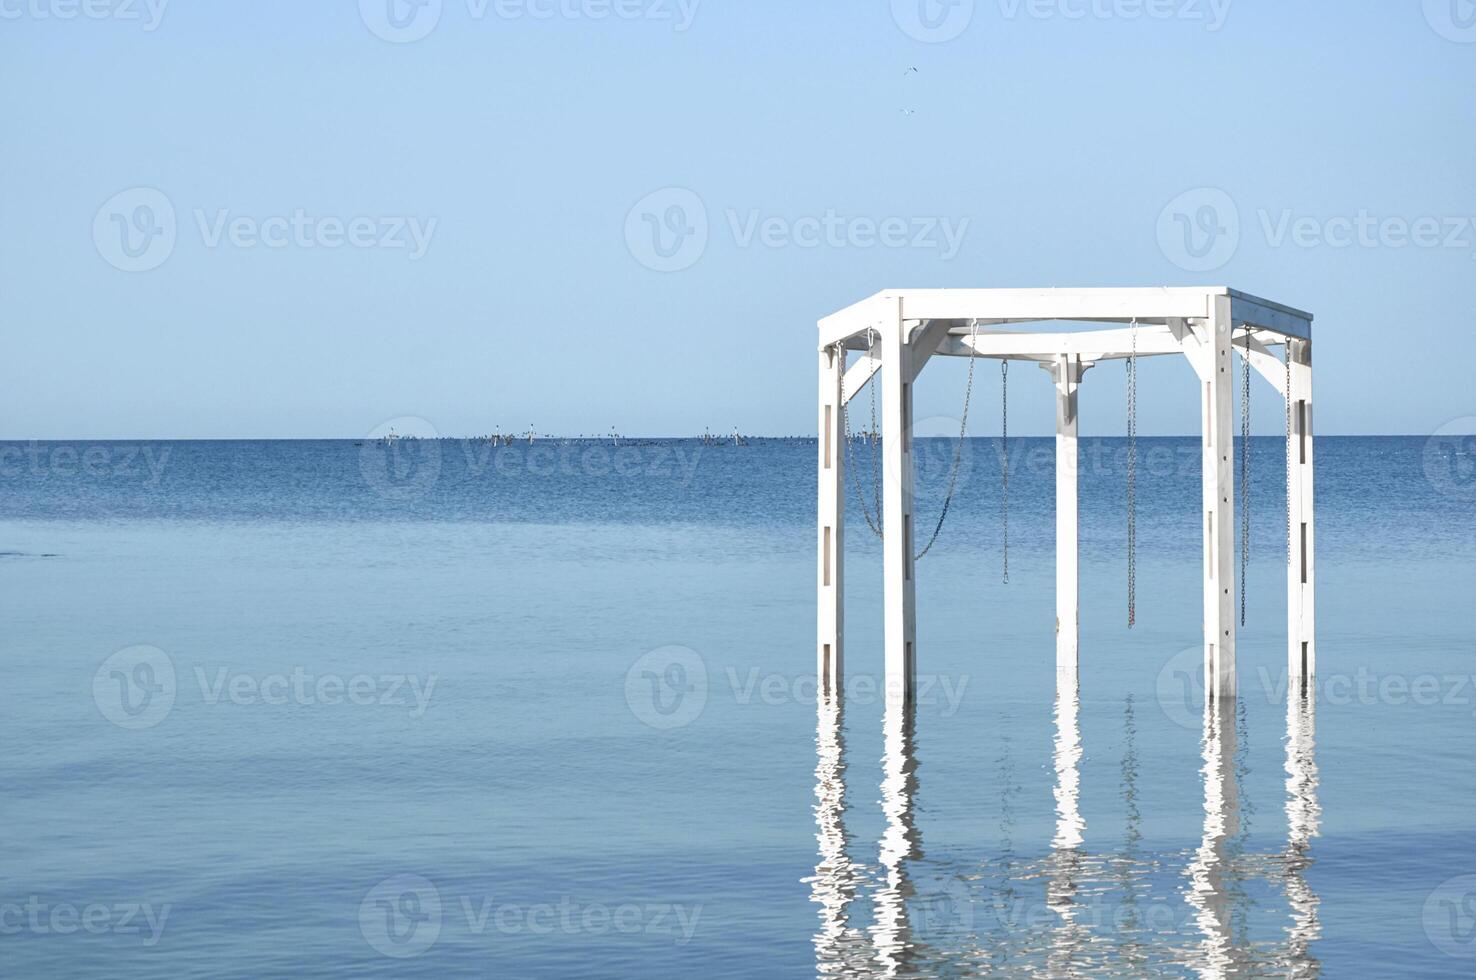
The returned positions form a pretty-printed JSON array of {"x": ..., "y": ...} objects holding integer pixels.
[
  {"x": 1209, "y": 872},
  {"x": 1303, "y": 818},
  {"x": 838, "y": 947},
  {"x": 900, "y": 842},
  {"x": 1069, "y": 824},
  {"x": 1065, "y": 861}
]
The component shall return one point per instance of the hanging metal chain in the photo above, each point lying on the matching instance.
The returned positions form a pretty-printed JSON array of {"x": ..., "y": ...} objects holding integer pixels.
[
  {"x": 873, "y": 523},
  {"x": 963, "y": 427},
  {"x": 1245, "y": 467},
  {"x": 1132, "y": 479},
  {"x": 1288, "y": 396},
  {"x": 1004, "y": 454}
]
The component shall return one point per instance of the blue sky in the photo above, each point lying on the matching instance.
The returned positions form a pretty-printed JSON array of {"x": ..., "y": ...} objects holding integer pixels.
[{"x": 442, "y": 227}]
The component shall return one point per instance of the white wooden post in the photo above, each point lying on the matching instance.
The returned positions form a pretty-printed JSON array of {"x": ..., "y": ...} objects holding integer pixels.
[
  {"x": 1217, "y": 376},
  {"x": 1301, "y": 639},
  {"x": 832, "y": 497},
  {"x": 1066, "y": 372},
  {"x": 900, "y": 621}
]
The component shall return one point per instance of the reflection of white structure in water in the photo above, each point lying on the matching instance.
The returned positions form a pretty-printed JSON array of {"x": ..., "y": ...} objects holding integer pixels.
[
  {"x": 1303, "y": 818},
  {"x": 1210, "y": 873},
  {"x": 1066, "y": 858},
  {"x": 1219, "y": 869},
  {"x": 892, "y": 929},
  {"x": 838, "y": 946},
  {"x": 1069, "y": 824},
  {"x": 1104, "y": 914}
]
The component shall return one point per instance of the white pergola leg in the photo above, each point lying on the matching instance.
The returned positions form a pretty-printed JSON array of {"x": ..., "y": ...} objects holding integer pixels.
[
  {"x": 1301, "y": 641},
  {"x": 1217, "y": 376},
  {"x": 899, "y": 614},
  {"x": 832, "y": 497},
  {"x": 1066, "y": 373}
]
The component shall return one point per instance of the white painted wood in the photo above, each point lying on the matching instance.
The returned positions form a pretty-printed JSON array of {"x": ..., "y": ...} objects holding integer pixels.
[
  {"x": 1267, "y": 315},
  {"x": 926, "y": 340},
  {"x": 866, "y": 365},
  {"x": 1199, "y": 322},
  {"x": 1267, "y": 364},
  {"x": 1096, "y": 345},
  {"x": 854, "y": 319},
  {"x": 1067, "y": 373},
  {"x": 1054, "y": 304},
  {"x": 830, "y": 570},
  {"x": 1301, "y": 570},
  {"x": 1218, "y": 513},
  {"x": 900, "y": 624},
  {"x": 993, "y": 306}
]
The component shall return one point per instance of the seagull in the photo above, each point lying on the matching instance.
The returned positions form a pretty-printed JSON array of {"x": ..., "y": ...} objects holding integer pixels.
[
  {"x": 909, "y": 112},
  {"x": 910, "y": 71}
]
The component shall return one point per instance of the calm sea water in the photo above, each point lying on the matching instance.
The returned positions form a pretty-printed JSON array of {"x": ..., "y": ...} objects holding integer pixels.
[{"x": 434, "y": 709}]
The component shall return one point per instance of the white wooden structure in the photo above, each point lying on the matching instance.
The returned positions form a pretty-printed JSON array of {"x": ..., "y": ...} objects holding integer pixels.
[{"x": 901, "y": 330}]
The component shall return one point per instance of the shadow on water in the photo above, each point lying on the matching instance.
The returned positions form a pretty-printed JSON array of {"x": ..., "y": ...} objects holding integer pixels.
[{"x": 1072, "y": 911}]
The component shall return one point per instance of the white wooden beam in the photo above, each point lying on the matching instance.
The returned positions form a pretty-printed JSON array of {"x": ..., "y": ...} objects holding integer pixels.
[
  {"x": 900, "y": 622},
  {"x": 830, "y": 572},
  {"x": 925, "y": 343},
  {"x": 1095, "y": 345},
  {"x": 859, "y": 373},
  {"x": 1054, "y": 304},
  {"x": 1301, "y": 569},
  {"x": 1218, "y": 520},
  {"x": 845, "y": 324},
  {"x": 1267, "y": 315},
  {"x": 1267, "y": 364},
  {"x": 1066, "y": 373}
]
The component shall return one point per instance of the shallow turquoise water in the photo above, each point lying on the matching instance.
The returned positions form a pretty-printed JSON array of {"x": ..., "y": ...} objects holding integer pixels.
[{"x": 336, "y": 710}]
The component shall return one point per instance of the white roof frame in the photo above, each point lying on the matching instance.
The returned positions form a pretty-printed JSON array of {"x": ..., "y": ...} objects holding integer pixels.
[{"x": 998, "y": 307}]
